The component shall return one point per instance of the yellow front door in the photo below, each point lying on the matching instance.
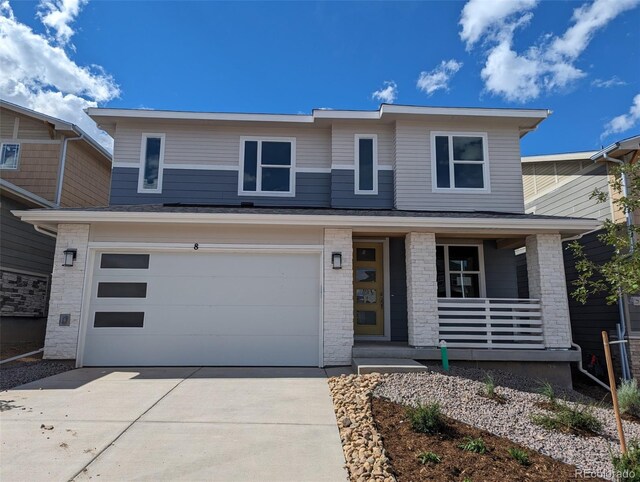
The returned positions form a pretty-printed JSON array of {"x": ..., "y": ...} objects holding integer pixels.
[{"x": 368, "y": 289}]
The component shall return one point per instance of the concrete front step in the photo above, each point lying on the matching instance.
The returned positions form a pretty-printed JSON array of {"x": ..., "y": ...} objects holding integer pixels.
[{"x": 362, "y": 366}]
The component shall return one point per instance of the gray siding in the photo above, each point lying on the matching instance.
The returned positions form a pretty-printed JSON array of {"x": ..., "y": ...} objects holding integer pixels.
[
  {"x": 343, "y": 195},
  {"x": 21, "y": 247},
  {"x": 500, "y": 271},
  {"x": 197, "y": 186},
  {"x": 572, "y": 199},
  {"x": 398, "y": 289}
]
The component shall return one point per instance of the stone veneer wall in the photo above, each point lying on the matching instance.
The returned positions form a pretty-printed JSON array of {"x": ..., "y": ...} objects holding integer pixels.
[{"x": 23, "y": 294}]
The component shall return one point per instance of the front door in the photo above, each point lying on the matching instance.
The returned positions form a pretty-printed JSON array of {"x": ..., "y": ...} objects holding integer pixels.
[{"x": 368, "y": 289}]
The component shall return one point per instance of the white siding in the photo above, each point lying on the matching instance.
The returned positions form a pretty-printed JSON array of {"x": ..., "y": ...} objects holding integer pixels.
[
  {"x": 343, "y": 142},
  {"x": 413, "y": 168}
]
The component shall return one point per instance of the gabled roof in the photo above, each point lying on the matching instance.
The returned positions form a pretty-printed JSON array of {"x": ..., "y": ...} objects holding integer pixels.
[
  {"x": 618, "y": 149},
  {"x": 57, "y": 124}
]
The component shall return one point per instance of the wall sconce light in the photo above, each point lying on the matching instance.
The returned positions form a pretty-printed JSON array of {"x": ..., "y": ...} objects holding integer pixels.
[
  {"x": 69, "y": 256},
  {"x": 336, "y": 260}
]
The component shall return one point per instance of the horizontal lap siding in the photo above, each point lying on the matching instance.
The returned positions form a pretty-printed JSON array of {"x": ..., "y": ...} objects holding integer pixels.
[
  {"x": 195, "y": 186},
  {"x": 343, "y": 142},
  {"x": 87, "y": 177},
  {"x": 37, "y": 169},
  {"x": 343, "y": 194},
  {"x": 500, "y": 271},
  {"x": 413, "y": 169}
]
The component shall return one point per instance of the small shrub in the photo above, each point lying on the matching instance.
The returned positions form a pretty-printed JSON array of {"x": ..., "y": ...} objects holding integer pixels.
[
  {"x": 547, "y": 391},
  {"x": 577, "y": 418},
  {"x": 426, "y": 418},
  {"x": 489, "y": 386},
  {"x": 629, "y": 396},
  {"x": 627, "y": 466},
  {"x": 429, "y": 458},
  {"x": 520, "y": 456},
  {"x": 475, "y": 445}
]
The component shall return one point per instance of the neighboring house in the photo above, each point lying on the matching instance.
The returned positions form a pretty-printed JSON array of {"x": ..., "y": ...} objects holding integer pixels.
[
  {"x": 44, "y": 163},
  {"x": 561, "y": 184},
  {"x": 259, "y": 239}
]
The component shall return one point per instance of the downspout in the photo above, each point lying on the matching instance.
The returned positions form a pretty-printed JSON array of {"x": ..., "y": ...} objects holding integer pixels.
[
  {"x": 61, "y": 166},
  {"x": 585, "y": 372}
]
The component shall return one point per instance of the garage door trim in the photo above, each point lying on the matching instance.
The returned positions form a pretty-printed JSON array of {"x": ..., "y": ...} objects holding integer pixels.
[{"x": 96, "y": 248}]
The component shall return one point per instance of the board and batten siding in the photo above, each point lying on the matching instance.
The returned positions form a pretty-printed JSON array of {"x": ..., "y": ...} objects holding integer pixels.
[
  {"x": 343, "y": 142},
  {"x": 413, "y": 169},
  {"x": 206, "y": 145}
]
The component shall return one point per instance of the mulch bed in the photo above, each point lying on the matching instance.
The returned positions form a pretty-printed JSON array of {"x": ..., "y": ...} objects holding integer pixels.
[{"x": 402, "y": 445}]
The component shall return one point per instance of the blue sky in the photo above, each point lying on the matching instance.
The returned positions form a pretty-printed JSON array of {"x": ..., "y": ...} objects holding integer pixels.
[{"x": 579, "y": 59}]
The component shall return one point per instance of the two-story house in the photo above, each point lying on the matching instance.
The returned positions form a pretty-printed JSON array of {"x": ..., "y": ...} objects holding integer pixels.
[
  {"x": 263, "y": 239},
  {"x": 44, "y": 163}
]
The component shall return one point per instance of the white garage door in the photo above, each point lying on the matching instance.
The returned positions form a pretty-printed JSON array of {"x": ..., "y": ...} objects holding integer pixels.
[{"x": 204, "y": 308}]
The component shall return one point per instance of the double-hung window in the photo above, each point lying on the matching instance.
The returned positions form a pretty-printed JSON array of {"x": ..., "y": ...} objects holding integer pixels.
[
  {"x": 151, "y": 163},
  {"x": 459, "y": 271},
  {"x": 9, "y": 154},
  {"x": 366, "y": 164},
  {"x": 267, "y": 166},
  {"x": 459, "y": 161}
]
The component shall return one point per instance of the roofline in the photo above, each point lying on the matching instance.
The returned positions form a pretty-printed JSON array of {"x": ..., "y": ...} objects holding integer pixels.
[
  {"x": 58, "y": 124},
  {"x": 524, "y": 226},
  {"x": 24, "y": 194},
  {"x": 613, "y": 147},
  {"x": 565, "y": 156}
]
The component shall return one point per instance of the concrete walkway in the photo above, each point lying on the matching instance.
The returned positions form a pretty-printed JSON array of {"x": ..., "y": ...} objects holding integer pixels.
[{"x": 214, "y": 424}]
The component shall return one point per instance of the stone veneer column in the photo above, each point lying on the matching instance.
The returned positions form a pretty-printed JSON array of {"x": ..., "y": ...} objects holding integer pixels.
[
  {"x": 67, "y": 285},
  {"x": 545, "y": 266},
  {"x": 338, "y": 298},
  {"x": 422, "y": 289}
]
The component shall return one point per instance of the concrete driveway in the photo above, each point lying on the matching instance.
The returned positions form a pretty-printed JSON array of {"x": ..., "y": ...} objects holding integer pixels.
[{"x": 226, "y": 424}]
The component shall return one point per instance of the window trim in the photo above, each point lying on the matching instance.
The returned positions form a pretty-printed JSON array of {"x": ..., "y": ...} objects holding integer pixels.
[
  {"x": 485, "y": 163},
  {"x": 143, "y": 155},
  {"x": 292, "y": 169},
  {"x": 14, "y": 168},
  {"x": 356, "y": 162},
  {"x": 480, "y": 272}
]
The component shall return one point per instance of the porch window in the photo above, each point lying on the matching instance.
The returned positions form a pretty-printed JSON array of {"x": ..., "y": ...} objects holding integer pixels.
[
  {"x": 151, "y": 163},
  {"x": 459, "y": 161},
  {"x": 267, "y": 167},
  {"x": 459, "y": 271}
]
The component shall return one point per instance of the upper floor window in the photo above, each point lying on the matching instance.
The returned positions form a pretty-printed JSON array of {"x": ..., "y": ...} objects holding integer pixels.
[
  {"x": 459, "y": 161},
  {"x": 151, "y": 163},
  {"x": 267, "y": 166},
  {"x": 366, "y": 157},
  {"x": 9, "y": 156}
]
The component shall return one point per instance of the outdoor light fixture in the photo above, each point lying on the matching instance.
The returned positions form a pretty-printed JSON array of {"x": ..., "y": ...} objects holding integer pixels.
[
  {"x": 69, "y": 256},
  {"x": 336, "y": 260}
]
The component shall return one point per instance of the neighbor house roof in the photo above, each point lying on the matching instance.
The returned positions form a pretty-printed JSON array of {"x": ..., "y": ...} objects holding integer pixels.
[
  {"x": 564, "y": 156},
  {"x": 618, "y": 149}
]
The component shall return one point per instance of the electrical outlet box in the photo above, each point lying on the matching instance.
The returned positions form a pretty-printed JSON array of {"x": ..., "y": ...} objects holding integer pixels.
[{"x": 65, "y": 319}]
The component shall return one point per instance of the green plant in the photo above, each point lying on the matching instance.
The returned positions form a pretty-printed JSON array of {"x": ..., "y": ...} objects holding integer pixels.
[
  {"x": 578, "y": 418},
  {"x": 629, "y": 396},
  {"x": 547, "y": 391},
  {"x": 520, "y": 456},
  {"x": 489, "y": 386},
  {"x": 426, "y": 418},
  {"x": 627, "y": 466},
  {"x": 428, "y": 458},
  {"x": 473, "y": 445}
]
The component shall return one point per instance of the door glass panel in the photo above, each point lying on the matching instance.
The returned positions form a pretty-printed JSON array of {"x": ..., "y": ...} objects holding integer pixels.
[
  {"x": 366, "y": 254},
  {"x": 465, "y": 285},
  {"x": 463, "y": 258},
  {"x": 366, "y": 275},
  {"x": 366, "y": 296},
  {"x": 366, "y": 317}
]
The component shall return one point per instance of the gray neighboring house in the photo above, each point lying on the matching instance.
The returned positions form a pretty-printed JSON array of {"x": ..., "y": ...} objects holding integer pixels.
[
  {"x": 561, "y": 184},
  {"x": 44, "y": 163},
  {"x": 311, "y": 240}
]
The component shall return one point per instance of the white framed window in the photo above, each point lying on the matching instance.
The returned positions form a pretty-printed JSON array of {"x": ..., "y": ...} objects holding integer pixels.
[
  {"x": 460, "y": 161},
  {"x": 366, "y": 164},
  {"x": 151, "y": 163},
  {"x": 460, "y": 271},
  {"x": 267, "y": 166},
  {"x": 9, "y": 155}
]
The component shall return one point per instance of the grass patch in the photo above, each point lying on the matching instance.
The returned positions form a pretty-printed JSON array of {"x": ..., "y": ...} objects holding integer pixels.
[
  {"x": 629, "y": 396},
  {"x": 627, "y": 466},
  {"x": 489, "y": 386},
  {"x": 475, "y": 445},
  {"x": 520, "y": 456},
  {"x": 426, "y": 418},
  {"x": 428, "y": 458},
  {"x": 578, "y": 419},
  {"x": 547, "y": 391}
]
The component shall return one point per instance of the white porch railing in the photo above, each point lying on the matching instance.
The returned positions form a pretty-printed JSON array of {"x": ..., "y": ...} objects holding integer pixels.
[{"x": 512, "y": 323}]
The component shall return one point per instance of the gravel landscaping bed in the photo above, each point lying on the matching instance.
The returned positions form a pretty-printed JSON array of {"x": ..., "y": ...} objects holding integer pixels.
[
  {"x": 21, "y": 372},
  {"x": 458, "y": 394}
]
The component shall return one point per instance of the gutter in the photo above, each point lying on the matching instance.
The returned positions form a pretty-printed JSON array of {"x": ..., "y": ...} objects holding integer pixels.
[{"x": 62, "y": 163}]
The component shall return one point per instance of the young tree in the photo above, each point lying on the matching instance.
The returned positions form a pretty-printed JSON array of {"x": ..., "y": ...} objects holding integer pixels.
[{"x": 621, "y": 274}]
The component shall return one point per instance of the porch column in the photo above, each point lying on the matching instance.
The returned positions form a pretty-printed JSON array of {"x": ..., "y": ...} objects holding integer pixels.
[
  {"x": 422, "y": 289},
  {"x": 67, "y": 285},
  {"x": 547, "y": 282},
  {"x": 338, "y": 298}
]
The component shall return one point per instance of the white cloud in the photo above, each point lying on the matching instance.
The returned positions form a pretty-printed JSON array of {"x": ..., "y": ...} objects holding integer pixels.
[
  {"x": 44, "y": 78},
  {"x": 438, "y": 78},
  {"x": 624, "y": 122},
  {"x": 614, "y": 81},
  {"x": 388, "y": 93},
  {"x": 57, "y": 15},
  {"x": 545, "y": 67}
]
